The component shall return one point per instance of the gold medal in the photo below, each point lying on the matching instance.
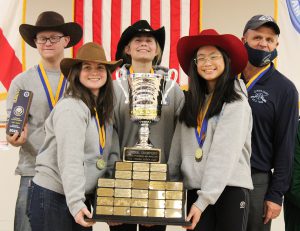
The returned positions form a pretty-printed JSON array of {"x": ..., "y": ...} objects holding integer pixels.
[
  {"x": 198, "y": 154},
  {"x": 100, "y": 164}
]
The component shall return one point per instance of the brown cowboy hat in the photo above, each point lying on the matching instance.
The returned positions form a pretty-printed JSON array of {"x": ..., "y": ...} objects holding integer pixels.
[
  {"x": 51, "y": 21},
  {"x": 140, "y": 27},
  {"x": 232, "y": 45},
  {"x": 89, "y": 52}
]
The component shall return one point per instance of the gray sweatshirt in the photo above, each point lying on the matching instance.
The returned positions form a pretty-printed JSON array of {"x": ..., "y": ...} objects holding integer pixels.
[
  {"x": 38, "y": 113},
  {"x": 66, "y": 163},
  {"x": 161, "y": 132},
  {"x": 226, "y": 152}
]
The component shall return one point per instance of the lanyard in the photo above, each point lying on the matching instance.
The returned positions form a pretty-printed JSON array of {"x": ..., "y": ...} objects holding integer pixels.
[
  {"x": 131, "y": 71},
  {"x": 45, "y": 81},
  {"x": 101, "y": 131},
  {"x": 256, "y": 77},
  {"x": 202, "y": 122}
]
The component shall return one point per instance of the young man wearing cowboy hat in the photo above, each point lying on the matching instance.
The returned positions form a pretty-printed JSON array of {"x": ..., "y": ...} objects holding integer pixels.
[
  {"x": 274, "y": 102},
  {"x": 50, "y": 35}
]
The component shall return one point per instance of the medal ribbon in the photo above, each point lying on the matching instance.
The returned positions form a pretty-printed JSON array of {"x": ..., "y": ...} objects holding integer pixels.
[
  {"x": 101, "y": 131},
  {"x": 256, "y": 77},
  {"x": 202, "y": 122},
  {"x": 131, "y": 71},
  {"x": 47, "y": 87}
]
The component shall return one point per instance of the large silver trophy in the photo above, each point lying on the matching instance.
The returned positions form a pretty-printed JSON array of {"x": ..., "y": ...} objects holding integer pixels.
[{"x": 146, "y": 94}]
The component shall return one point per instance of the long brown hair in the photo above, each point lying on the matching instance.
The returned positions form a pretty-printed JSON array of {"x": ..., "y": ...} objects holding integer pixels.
[{"x": 103, "y": 103}]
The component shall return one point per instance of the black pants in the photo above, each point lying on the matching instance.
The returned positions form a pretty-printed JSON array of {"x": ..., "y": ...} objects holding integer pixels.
[
  {"x": 229, "y": 213},
  {"x": 291, "y": 216},
  {"x": 133, "y": 227}
]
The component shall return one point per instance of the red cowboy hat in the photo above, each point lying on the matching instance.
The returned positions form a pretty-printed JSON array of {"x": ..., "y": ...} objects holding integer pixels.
[{"x": 187, "y": 47}]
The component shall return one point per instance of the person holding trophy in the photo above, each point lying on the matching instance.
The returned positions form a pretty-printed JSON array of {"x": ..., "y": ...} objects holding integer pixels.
[
  {"x": 141, "y": 48},
  {"x": 211, "y": 146},
  {"x": 76, "y": 150}
]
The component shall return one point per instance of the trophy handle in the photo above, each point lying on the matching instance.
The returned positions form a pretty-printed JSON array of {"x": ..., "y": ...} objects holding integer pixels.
[
  {"x": 120, "y": 74},
  {"x": 165, "y": 95}
]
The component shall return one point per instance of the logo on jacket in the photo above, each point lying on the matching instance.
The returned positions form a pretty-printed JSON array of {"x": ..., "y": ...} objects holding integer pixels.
[
  {"x": 294, "y": 12},
  {"x": 259, "y": 96},
  {"x": 242, "y": 204}
]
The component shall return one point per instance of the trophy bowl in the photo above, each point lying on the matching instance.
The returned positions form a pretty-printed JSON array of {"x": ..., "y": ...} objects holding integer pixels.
[{"x": 146, "y": 94}]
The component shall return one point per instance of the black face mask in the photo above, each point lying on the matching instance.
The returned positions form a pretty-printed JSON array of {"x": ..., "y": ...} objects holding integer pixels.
[{"x": 259, "y": 58}]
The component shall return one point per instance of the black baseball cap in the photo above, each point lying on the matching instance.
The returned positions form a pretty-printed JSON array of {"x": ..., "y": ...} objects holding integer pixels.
[{"x": 260, "y": 20}]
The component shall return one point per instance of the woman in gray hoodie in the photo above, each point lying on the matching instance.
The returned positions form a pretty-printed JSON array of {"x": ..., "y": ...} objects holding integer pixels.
[
  {"x": 212, "y": 142},
  {"x": 76, "y": 149}
]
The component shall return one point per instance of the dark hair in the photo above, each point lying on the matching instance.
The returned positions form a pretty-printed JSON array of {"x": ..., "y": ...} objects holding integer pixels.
[
  {"x": 157, "y": 59},
  {"x": 224, "y": 92},
  {"x": 104, "y": 101}
]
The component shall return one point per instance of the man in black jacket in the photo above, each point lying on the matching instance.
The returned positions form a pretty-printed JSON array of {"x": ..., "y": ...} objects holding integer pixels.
[{"x": 274, "y": 102}]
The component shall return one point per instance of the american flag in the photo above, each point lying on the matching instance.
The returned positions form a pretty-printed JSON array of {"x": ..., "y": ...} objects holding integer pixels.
[{"x": 103, "y": 21}]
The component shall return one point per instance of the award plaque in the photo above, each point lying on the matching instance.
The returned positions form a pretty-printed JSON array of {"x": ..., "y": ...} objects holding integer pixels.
[
  {"x": 142, "y": 200},
  {"x": 19, "y": 112}
]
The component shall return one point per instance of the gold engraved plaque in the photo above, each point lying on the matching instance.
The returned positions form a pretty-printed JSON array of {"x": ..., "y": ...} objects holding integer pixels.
[
  {"x": 157, "y": 185},
  {"x": 174, "y": 186},
  {"x": 140, "y": 184},
  {"x": 158, "y": 204},
  {"x": 139, "y": 212},
  {"x": 105, "y": 192},
  {"x": 173, "y": 213},
  {"x": 174, "y": 204},
  {"x": 140, "y": 176},
  {"x": 141, "y": 167},
  {"x": 123, "y": 166},
  {"x": 120, "y": 183},
  {"x": 158, "y": 176},
  {"x": 139, "y": 193},
  {"x": 156, "y": 212},
  {"x": 122, "y": 201},
  {"x": 174, "y": 195},
  {"x": 123, "y": 174},
  {"x": 104, "y": 210},
  {"x": 143, "y": 203},
  {"x": 159, "y": 195},
  {"x": 122, "y": 211},
  {"x": 106, "y": 183},
  {"x": 122, "y": 192},
  {"x": 158, "y": 167},
  {"x": 105, "y": 201}
]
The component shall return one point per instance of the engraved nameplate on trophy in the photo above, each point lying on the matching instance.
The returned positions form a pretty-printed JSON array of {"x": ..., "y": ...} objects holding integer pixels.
[{"x": 19, "y": 112}]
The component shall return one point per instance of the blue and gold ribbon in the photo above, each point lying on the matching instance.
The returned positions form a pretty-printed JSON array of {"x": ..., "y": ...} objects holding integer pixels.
[
  {"x": 256, "y": 77},
  {"x": 131, "y": 71},
  {"x": 45, "y": 81},
  {"x": 202, "y": 123},
  {"x": 101, "y": 132}
]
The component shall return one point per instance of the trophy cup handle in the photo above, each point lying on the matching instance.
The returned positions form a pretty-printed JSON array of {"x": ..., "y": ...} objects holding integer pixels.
[
  {"x": 121, "y": 75},
  {"x": 165, "y": 95}
]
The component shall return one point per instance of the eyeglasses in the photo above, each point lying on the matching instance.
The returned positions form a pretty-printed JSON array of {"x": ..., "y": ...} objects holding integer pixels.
[
  {"x": 211, "y": 58},
  {"x": 53, "y": 39}
]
